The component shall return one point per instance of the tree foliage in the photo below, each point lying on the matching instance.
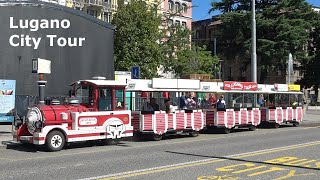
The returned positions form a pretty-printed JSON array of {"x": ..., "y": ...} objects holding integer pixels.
[
  {"x": 140, "y": 42},
  {"x": 136, "y": 36},
  {"x": 182, "y": 57},
  {"x": 311, "y": 64},
  {"x": 283, "y": 27}
]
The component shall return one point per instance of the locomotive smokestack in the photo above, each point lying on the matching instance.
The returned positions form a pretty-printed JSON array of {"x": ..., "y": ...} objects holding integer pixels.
[
  {"x": 42, "y": 84},
  {"x": 41, "y": 67}
]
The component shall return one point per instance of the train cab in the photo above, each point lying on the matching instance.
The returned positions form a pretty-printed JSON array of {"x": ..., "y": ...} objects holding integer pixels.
[{"x": 99, "y": 94}]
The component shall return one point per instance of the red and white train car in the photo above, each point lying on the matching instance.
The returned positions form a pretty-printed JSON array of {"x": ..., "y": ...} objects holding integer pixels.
[
  {"x": 284, "y": 106},
  {"x": 96, "y": 112},
  {"x": 158, "y": 123},
  {"x": 239, "y": 111}
]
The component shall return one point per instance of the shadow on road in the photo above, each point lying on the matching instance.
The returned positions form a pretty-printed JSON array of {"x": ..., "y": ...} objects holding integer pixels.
[
  {"x": 75, "y": 145},
  {"x": 243, "y": 160}
]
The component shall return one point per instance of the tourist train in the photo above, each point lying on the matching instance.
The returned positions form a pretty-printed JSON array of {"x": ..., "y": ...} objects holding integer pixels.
[{"x": 109, "y": 110}]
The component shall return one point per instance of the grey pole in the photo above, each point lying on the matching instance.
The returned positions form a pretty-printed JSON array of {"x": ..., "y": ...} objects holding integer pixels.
[
  {"x": 254, "y": 53},
  {"x": 290, "y": 67},
  {"x": 253, "y": 37}
]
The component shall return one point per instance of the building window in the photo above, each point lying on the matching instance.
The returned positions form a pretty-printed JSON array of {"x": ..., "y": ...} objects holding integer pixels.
[
  {"x": 184, "y": 8},
  {"x": 170, "y": 5},
  {"x": 184, "y": 25},
  {"x": 107, "y": 17},
  {"x": 177, "y": 7},
  {"x": 92, "y": 12},
  {"x": 177, "y": 23},
  {"x": 170, "y": 22},
  {"x": 197, "y": 34}
]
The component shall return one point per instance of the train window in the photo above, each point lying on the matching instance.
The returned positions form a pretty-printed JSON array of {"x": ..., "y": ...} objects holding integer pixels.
[
  {"x": 295, "y": 100},
  {"x": 283, "y": 100},
  {"x": 248, "y": 100},
  {"x": 84, "y": 94},
  {"x": 105, "y": 99},
  {"x": 235, "y": 100},
  {"x": 119, "y": 102}
]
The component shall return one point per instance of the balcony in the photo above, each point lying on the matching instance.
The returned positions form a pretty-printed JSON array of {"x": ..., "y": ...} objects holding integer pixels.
[
  {"x": 94, "y": 2},
  {"x": 97, "y": 3},
  {"x": 107, "y": 7}
]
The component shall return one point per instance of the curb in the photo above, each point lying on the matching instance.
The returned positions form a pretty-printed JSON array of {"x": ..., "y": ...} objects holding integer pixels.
[
  {"x": 313, "y": 107},
  {"x": 5, "y": 144}
]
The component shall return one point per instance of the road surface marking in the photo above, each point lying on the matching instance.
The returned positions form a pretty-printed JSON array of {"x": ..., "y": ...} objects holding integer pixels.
[
  {"x": 249, "y": 167},
  {"x": 199, "y": 163}
]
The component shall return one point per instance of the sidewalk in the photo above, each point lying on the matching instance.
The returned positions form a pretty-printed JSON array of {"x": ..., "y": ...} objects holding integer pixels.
[
  {"x": 311, "y": 118},
  {"x": 5, "y": 135}
]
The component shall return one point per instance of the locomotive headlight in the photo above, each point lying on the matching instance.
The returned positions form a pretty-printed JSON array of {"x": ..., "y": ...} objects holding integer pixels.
[{"x": 34, "y": 119}]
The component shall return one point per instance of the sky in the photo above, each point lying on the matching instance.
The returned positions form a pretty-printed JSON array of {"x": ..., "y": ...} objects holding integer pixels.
[{"x": 201, "y": 7}]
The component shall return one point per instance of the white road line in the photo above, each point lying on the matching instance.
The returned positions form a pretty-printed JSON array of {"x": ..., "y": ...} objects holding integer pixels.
[
  {"x": 148, "y": 169},
  {"x": 198, "y": 161}
]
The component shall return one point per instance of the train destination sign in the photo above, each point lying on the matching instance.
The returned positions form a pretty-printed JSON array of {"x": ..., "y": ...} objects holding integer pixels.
[{"x": 233, "y": 85}]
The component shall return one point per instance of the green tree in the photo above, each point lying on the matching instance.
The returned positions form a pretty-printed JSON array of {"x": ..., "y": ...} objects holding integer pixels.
[
  {"x": 311, "y": 63},
  {"x": 136, "y": 36},
  {"x": 181, "y": 57},
  {"x": 196, "y": 60},
  {"x": 283, "y": 27}
]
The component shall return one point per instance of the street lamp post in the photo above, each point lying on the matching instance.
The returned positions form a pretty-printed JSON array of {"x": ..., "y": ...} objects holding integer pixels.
[
  {"x": 253, "y": 37},
  {"x": 254, "y": 53}
]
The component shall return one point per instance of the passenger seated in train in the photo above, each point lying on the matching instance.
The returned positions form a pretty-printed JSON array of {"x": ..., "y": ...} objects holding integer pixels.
[
  {"x": 152, "y": 105},
  {"x": 205, "y": 103},
  {"x": 191, "y": 103},
  {"x": 167, "y": 106},
  {"x": 212, "y": 100},
  {"x": 221, "y": 102},
  {"x": 183, "y": 101},
  {"x": 261, "y": 101}
]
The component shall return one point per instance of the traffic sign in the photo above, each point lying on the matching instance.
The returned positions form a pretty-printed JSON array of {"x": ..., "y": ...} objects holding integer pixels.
[{"x": 135, "y": 72}]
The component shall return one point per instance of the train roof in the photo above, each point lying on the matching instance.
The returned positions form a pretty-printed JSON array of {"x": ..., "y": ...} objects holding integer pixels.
[
  {"x": 186, "y": 85},
  {"x": 103, "y": 82},
  {"x": 191, "y": 85}
]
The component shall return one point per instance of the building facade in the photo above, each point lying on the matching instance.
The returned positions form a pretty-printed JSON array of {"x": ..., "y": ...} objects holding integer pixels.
[
  {"x": 69, "y": 62},
  {"x": 104, "y": 9}
]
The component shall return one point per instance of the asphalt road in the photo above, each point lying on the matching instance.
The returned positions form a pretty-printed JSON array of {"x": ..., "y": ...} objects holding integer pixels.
[{"x": 284, "y": 153}]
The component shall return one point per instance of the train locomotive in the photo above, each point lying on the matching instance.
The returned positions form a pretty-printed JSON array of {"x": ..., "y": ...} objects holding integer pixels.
[{"x": 94, "y": 112}]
